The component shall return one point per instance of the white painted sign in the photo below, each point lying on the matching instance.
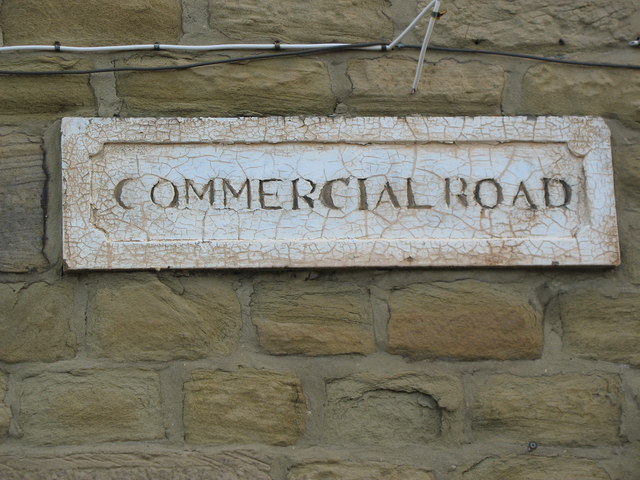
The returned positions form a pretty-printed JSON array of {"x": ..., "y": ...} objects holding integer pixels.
[{"x": 337, "y": 192}]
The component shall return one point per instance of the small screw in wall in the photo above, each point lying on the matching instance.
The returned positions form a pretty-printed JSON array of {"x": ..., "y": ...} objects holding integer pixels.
[{"x": 532, "y": 446}]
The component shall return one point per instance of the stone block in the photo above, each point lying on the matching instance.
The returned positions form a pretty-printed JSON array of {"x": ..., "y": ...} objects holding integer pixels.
[
  {"x": 22, "y": 183},
  {"x": 535, "y": 468},
  {"x": 411, "y": 408},
  {"x": 46, "y": 96},
  {"x": 601, "y": 327},
  {"x": 230, "y": 465},
  {"x": 90, "y": 22},
  {"x": 91, "y": 406},
  {"x": 35, "y": 322},
  {"x": 569, "y": 409},
  {"x": 137, "y": 317},
  {"x": 536, "y": 24},
  {"x": 312, "y": 318},
  {"x": 296, "y": 22},
  {"x": 381, "y": 87},
  {"x": 467, "y": 320},
  {"x": 357, "y": 471},
  {"x": 5, "y": 413},
  {"x": 274, "y": 87},
  {"x": 248, "y": 406},
  {"x": 561, "y": 90}
]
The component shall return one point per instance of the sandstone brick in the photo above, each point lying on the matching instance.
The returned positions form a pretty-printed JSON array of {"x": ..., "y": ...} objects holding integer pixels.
[
  {"x": 531, "y": 24},
  {"x": 90, "y": 22},
  {"x": 560, "y": 90},
  {"x": 357, "y": 471},
  {"x": 568, "y": 409},
  {"x": 370, "y": 409},
  {"x": 381, "y": 86},
  {"x": 293, "y": 21},
  {"x": 467, "y": 320},
  {"x": 90, "y": 406},
  {"x": 5, "y": 413},
  {"x": 22, "y": 182},
  {"x": 536, "y": 468},
  {"x": 312, "y": 318},
  {"x": 49, "y": 96},
  {"x": 601, "y": 327},
  {"x": 137, "y": 317},
  {"x": 249, "y": 406},
  {"x": 35, "y": 322},
  {"x": 276, "y": 87},
  {"x": 626, "y": 151},
  {"x": 629, "y": 230},
  {"x": 230, "y": 465}
]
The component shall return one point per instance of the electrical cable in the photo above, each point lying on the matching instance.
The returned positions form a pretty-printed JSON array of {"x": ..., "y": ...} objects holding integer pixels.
[
  {"x": 524, "y": 55},
  {"x": 314, "y": 51},
  {"x": 296, "y": 53}
]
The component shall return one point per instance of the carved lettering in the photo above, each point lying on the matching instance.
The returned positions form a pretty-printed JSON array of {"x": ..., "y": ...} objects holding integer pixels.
[
  {"x": 208, "y": 187},
  {"x": 326, "y": 193},
  {"x": 522, "y": 190},
  {"x": 411, "y": 200},
  {"x": 477, "y": 193},
  {"x": 390, "y": 193},
  {"x": 117, "y": 193},
  {"x": 362, "y": 197},
  {"x": 163, "y": 183},
  {"x": 460, "y": 196},
  {"x": 262, "y": 195},
  {"x": 297, "y": 196},
  {"x": 228, "y": 188},
  {"x": 566, "y": 192}
]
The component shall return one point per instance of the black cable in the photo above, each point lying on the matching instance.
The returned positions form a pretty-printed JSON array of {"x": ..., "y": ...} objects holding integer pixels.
[
  {"x": 187, "y": 66},
  {"x": 314, "y": 51},
  {"x": 524, "y": 55}
]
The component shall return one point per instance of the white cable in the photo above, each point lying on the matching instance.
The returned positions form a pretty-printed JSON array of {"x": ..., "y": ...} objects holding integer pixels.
[
  {"x": 424, "y": 11},
  {"x": 423, "y": 50},
  {"x": 166, "y": 47}
]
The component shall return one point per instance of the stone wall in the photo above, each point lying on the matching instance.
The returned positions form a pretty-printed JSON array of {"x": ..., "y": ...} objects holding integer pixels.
[{"x": 352, "y": 374}]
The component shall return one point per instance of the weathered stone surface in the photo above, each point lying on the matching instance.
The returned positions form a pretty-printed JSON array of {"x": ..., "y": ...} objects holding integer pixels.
[
  {"x": 22, "y": 180},
  {"x": 466, "y": 320},
  {"x": 5, "y": 413},
  {"x": 357, "y": 471},
  {"x": 137, "y": 317},
  {"x": 248, "y": 406},
  {"x": 337, "y": 192},
  {"x": 568, "y": 409},
  {"x": 312, "y": 318},
  {"x": 536, "y": 23},
  {"x": 45, "y": 96},
  {"x": 292, "y": 21},
  {"x": 536, "y": 468},
  {"x": 560, "y": 90},
  {"x": 90, "y": 22},
  {"x": 231, "y": 465},
  {"x": 601, "y": 327},
  {"x": 90, "y": 406},
  {"x": 626, "y": 151},
  {"x": 35, "y": 322},
  {"x": 279, "y": 87},
  {"x": 373, "y": 409},
  {"x": 381, "y": 87}
]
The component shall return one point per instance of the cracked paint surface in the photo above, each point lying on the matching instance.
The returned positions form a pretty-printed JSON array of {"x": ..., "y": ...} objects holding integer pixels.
[{"x": 331, "y": 192}]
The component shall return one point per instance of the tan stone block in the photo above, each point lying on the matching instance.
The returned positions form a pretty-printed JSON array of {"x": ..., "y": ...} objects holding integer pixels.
[
  {"x": 408, "y": 408},
  {"x": 568, "y": 409},
  {"x": 536, "y": 468},
  {"x": 292, "y": 21},
  {"x": 22, "y": 182},
  {"x": 467, "y": 320},
  {"x": 5, "y": 413},
  {"x": 601, "y": 327},
  {"x": 137, "y": 317},
  {"x": 357, "y": 471},
  {"x": 228, "y": 465},
  {"x": 35, "y": 322},
  {"x": 312, "y": 318},
  {"x": 561, "y": 90},
  {"x": 532, "y": 24},
  {"x": 275, "y": 87},
  {"x": 249, "y": 406},
  {"x": 381, "y": 87},
  {"x": 47, "y": 96},
  {"x": 90, "y": 406},
  {"x": 90, "y": 22}
]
